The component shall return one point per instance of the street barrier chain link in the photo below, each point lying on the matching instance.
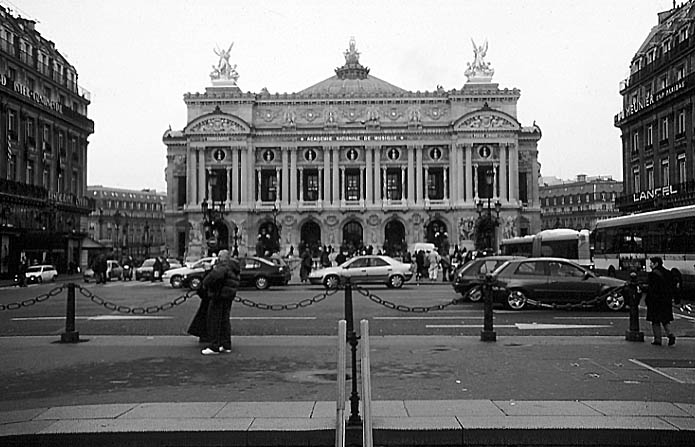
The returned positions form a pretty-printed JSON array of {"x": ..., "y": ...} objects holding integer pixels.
[
  {"x": 31, "y": 301},
  {"x": 401, "y": 307},
  {"x": 134, "y": 310},
  {"x": 582, "y": 305},
  {"x": 292, "y": 306}
]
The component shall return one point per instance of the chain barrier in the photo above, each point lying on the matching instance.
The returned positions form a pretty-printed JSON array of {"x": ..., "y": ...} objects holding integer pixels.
[
  {"x": 292, "y": 306},
  {"x": 685, "y": 308},
  {"x": 31, "y": 301},
  {"x": 401, "y": 307},
  {"x": 581, "y": 305},
  {"x": 134, "y": 310}
]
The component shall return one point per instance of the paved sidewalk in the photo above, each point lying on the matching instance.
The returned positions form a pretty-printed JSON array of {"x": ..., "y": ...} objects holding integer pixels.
[{"x": 428, "y": 390}]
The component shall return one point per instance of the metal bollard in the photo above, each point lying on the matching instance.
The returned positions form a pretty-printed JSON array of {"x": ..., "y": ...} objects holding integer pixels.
[
  {"x": 352, "y": 339},
  {"x": 488, "y": 333},
  {"x": 70, "y": 335},
  {"x": 634, "y": 334}
]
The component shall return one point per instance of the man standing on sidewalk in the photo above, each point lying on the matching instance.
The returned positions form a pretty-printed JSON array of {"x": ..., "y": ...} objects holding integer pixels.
[
  {"x": 221, "y": 285},
  {"x": 659, "y": 293}
]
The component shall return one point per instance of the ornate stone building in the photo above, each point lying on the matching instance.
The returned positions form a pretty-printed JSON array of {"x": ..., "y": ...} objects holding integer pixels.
[
  {"x": 352, "y": 160},
  {"x": 44, "y": 131},
  {"x": 657, "y": 117}
]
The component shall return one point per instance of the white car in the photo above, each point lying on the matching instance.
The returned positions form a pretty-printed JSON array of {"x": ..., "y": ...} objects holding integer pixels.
[
  {"x": 364, "y": 269},
  {"x": 175, "y": 277},
  {"x": 41, "y": 273}
]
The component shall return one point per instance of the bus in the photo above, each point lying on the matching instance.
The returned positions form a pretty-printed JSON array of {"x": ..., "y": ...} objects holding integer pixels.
[
  {"x": 624, "y": 244},
  {"x": 558, "y": 243}
]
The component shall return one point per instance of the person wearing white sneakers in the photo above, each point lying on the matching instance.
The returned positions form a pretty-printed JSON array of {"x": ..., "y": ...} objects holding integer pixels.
[{"x": 221, "y": 284}]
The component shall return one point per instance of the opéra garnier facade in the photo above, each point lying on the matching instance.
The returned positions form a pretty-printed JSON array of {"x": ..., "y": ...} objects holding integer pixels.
[{"x": 352, "y": 160}]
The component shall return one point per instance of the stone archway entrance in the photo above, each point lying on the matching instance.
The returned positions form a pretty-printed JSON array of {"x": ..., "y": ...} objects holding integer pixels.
[
  {"x": 353, "y": 236},
  {"x": 218, "y": 237},
  {"x": 394, "y": 239},
  {"x": 310, "y": 236},
  {"x": 436, "y": 232},
  {"x": 268, "y": 240}
]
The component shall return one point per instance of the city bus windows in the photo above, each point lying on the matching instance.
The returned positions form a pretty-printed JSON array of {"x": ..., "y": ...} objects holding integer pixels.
[{"x": 560, "y": 249}]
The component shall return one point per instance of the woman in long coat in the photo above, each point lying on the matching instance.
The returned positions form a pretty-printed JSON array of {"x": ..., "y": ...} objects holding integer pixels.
[{"x": 659, "y": 294}]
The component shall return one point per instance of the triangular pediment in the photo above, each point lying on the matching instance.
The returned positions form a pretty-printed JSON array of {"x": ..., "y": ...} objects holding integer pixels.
[
  {"x": 486, "y": 120},
  {"x": 218, "y": 123}
]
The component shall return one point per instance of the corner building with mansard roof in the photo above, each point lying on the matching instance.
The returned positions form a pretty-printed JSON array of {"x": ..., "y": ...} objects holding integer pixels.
[{"x": 352, "y": 160}]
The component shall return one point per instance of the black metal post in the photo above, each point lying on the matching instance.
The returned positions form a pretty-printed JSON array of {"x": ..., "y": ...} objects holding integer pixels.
[
  {"x": 70, "y": 336},
  {"x": 634, "y": 334},
  {"x": 352, "y": 339},
  {"x": 488, "y": 332}
]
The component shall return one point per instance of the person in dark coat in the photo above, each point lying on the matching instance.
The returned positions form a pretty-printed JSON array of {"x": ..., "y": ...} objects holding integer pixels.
[
  {"x": 156, "y": 269},
  {"x": 221, "y": 284},
  {"x": 305, "y": 268},
  {"x": 199, "y": 324},
  {"x": 421, "y": 268},
  {"x": 22, "y": 272},
  {"x": 659, "y": 294}
]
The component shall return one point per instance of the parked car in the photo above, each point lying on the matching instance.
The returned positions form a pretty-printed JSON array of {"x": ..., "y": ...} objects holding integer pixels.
[
  {"x": 144, "y": 272},
  {"x": 260, "y": 273},
  {"x": 41, "y": 273},
  {"x": 553, "y": 280},
  {"x": 467, "y": 277},
  {"x": 364, "y": 269},
  {"x": 175, "y": 276},
  {"x": 114, "y": 270}
]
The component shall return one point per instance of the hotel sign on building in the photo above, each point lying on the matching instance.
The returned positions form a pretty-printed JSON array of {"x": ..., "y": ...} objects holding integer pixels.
[{"x": 352, "y": 161}]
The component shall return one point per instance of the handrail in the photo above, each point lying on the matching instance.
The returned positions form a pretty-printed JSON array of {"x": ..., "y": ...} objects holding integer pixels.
[
  {"x": 340, "y": 403},
  {"x": 367, "y": 436}
]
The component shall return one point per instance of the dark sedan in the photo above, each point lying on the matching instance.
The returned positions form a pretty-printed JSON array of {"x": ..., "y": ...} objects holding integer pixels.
[
  {"x": 538, "y": 281},
  {"x": 467, "y": 277},
  {"x": 260, "y": 273}
]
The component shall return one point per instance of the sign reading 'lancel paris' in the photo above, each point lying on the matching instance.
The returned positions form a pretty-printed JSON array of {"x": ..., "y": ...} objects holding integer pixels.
[
  {"x": 29, "y": 93},
  {"x": 649, "y": 194}
]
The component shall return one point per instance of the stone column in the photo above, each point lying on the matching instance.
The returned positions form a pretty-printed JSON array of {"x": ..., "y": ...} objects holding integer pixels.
[
  {"x": 446, "y": 183},
  {"x": 469, "y": 173},
  {"x": 190, "y": 176},
  {"x": 411, "y": 174},
  {"x": 452, "y": 172},
  {"x": 301, "y": 185},
  {"x": 341, "y": 194},
  {"x": 327, "y": 177},
  {"x": 320, "y": 198},
  {"x": 378, "y": 190},
  {"x": 403, "y": 183},
  {"x": 335, "y": 193},
  {"x": 285, "y": 194},
  {"x": 426, "y": 183},
  {"x": 202, "y": 190},
  {"x": 277, "y": 185},
  {"x": 475, "y": 183},
  {"x": 382, "y": 182},
  {"x": 235, "y": 176},
  {"x": 368, "y": 152},
  {"x": 534, "y": 199},
  {"x": 229, "y": 185},
  {"x": 251, "y": 160},
  {"x": 504, "y": 197},
  {"x": 419, "y": 194},
  {"x": 513, "y": 173},
  {"x": 208, "y": 186},
  {"x": 243, "y": 178},
  {"x": 293, "y": 176}
]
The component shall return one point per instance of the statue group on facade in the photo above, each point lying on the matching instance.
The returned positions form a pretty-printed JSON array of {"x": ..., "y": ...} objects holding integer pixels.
[{"x": 224, "y": 70}]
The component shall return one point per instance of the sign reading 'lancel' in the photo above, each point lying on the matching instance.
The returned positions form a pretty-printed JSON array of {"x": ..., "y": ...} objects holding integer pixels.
[
  {"x": 29, "y": 93},
  {"x": 664, "y": 191}
]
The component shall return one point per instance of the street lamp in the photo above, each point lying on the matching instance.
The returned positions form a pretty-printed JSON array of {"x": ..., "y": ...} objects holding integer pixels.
[
  {"x": 487, "y": 223},
  {"x": 276, "y": 230},
  {"x": 147, "y": 239},
  {"x": 235, "y": 253},
  {"x": 117, "y": 216},
  {"x": 212, "y": 214},
  {"x": 125, "y": 236},
  {"x": 101, "y": 223}
]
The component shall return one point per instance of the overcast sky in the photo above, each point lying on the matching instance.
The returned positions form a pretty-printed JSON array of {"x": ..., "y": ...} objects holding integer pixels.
[{"x": 138, "y": 58}]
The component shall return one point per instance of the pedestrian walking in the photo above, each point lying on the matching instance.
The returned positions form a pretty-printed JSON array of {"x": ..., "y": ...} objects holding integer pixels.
[
  {"x": 22, "y": 272},
  {"x": 325, "y": 262},
  {"x": 156, "y": 269},
  {"x": 659, "y": 294},
  {"x": 433, "y": 258},
  {"x": 221, "y": 284},
  {"x": 305, "y": 267},
  {"x": 421, "y": 266}
]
